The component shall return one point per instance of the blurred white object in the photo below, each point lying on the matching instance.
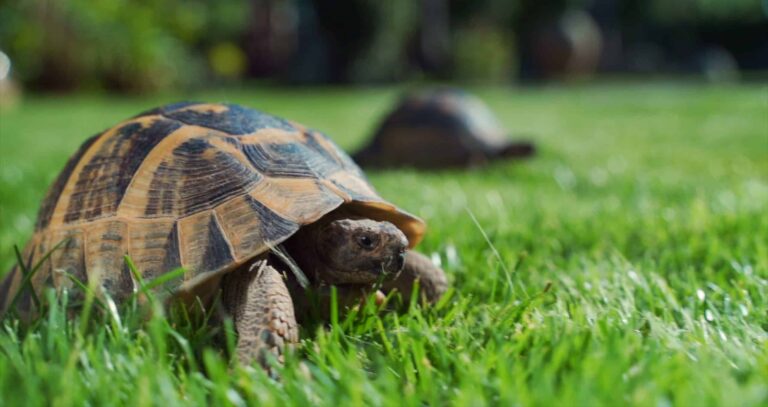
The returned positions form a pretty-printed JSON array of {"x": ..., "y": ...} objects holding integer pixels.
[
  {"x": 9, "y": 89},
  {"x": 5, "y": 66},
  {"x": 718, "y": 65}
]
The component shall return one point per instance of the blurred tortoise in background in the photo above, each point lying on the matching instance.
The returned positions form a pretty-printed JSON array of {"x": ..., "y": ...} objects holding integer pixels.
[
  {"x": 440, "y": 128},
  {"x": 215, "y": 189}
]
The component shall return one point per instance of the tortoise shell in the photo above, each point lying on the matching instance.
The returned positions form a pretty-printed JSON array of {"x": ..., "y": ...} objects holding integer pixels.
[
  {"x": 441, "y": 127},
  {"x": 206, "y": 187}
]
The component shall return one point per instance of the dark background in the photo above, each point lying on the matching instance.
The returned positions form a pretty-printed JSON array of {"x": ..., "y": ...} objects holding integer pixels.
[{"x": 150, "y": 45}]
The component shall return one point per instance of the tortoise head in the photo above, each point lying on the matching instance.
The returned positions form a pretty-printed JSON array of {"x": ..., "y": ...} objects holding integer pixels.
[{"x": 360, "y": 251}]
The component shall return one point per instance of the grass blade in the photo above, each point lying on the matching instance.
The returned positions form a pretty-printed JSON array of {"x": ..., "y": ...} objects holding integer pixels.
[
  {"x": 25, "y": 282},
  {"x": 495, "y": 251},
  {"x": 84, "y": 288},
  {"x": 165, "y": 278},
  {"x": 29, "y": 274},
  {"x": 286, "y": 258}
]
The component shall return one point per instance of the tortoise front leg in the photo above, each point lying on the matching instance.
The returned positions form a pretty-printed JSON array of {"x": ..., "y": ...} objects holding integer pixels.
[
  {"x": 261, "y": 307},
  {"x": 432, "y": 281}
]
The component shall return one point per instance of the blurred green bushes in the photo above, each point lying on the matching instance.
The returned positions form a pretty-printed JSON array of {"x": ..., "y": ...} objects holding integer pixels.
[
  {"x": 384, "y": 58},
  {"x": 147, "y": 45},
  {"x": 484, "y": 53},
  {"x": 135, "y": 45}
]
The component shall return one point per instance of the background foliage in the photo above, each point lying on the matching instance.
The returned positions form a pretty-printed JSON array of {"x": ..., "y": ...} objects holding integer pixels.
[
  {"x": 117, "y": 44},
  {"x": 149, "y": 45}
]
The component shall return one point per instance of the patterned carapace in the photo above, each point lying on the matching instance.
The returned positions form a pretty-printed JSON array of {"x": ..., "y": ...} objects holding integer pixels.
[{"x": 206, "y": 187}]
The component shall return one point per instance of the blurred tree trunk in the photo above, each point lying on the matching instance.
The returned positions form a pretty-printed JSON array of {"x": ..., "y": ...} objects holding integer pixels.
[
  {"x": 433, "y": 50},
  {"x": 271, "y": 37}
]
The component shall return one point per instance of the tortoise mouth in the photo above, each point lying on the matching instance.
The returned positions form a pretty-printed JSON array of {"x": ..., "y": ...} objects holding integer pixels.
[
  {"x": 390, "y": 268},
  {"x": 394, "y": 265},
  {"x": 385, "y": 271}
]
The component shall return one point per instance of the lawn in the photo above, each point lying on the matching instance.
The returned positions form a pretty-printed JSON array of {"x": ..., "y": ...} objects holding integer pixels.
[{"x": 626, "y": 264}]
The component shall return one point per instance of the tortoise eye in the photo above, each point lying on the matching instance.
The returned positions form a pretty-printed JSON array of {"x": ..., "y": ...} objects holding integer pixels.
[{"x": 366, "y": 242}]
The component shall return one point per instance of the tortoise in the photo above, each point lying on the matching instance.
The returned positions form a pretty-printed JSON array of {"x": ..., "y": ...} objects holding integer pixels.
[
  {"x": 439, "y": 128},
  {"x": 218, "y": 189}
]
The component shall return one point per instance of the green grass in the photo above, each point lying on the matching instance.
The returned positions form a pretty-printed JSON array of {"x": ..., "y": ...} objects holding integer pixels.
[{"x": 646, "y": 214}]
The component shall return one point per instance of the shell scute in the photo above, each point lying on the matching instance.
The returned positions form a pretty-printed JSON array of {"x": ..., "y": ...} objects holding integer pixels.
[
  {"x": 106, "y": 244},
  {"x": 197, "y": 176},
  {"x": 69, "y": 258},
  {"x": 288, "y": 160},
  {"x": 205, "y": 248},
  {"x": 54, "y": 193},
  {"x": 154, "y": 247},
  {"x": 251, "y": 227},
  {"x": 103, "y": 181},
  {"x": 167, "y": 108},
  {"x": 230, "y": 119}
]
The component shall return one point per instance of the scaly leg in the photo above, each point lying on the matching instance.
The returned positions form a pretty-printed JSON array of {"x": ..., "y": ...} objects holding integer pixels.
[
  {"x": 261, "y": 307},
  {"x": 432, "y": 281}
]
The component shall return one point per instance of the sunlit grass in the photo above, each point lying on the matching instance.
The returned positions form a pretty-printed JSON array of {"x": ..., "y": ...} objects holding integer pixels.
[{"x": 628, "y": 263}]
